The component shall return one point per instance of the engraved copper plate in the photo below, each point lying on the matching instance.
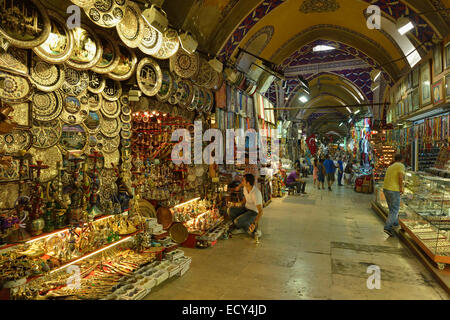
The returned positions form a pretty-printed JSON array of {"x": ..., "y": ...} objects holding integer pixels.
[
  {"x": 131, "y": 28},
  {"x": 49, "y": 157},
  {"x": 185, "y": 65},
  {"x": 97, "y": 82},
  {"x": 76, "y": 109},
  {"x": 15, "y": 60},
  {"x": 164, "y": 217},
  {"x": 167, "y": 86},
  {"x": 24, "y": 24},
  {"x": 76, "y": 82},
  {"x": 111, "y": 127},
  {"x": 58, "y": 47},
  {"x": 73, "y": 137},
  {"x": 95, "y": 101},
  {"x": 126, "y": 66},
  {"x": 46, "y": 134},
  {"x": 87, "y": 49},
  {"x": 111, "y": 145},
  {"x": 170, "y": 45},
  {"x": 110, "y": 109},
  {"x": 45, "y": 76},
  {"x": 112, "y": 90},
  {"x": 110, "y": 56},
  {"x": 47, "y": 105},
  {"x": 106, "y": 13},
  {"x": 13, "y": 87},
  {"x": 151, "y": 40},
  {"x": 93, "y": 122},
  {"x": 16, "y": 141},
  {"x": 149, "y": 76}
]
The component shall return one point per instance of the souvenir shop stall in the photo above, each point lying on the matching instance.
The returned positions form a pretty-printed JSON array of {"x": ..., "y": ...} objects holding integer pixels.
[
  {"x": 363, "y": 151},
  {"x": 419, "y": 103},
  {"x": 92, "y": 205},
  {"x": 384, "y": 154}
]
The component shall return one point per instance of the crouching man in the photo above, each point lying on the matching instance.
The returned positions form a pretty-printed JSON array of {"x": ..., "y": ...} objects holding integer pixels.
[{"x": 247, "y": 216}]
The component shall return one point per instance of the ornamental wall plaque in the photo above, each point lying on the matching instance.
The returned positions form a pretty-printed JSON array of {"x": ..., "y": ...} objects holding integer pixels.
[
  {"x": 167, "y": 86},
  {"x": 83, "y": 3},
  {"x": 15, "y": 60},
  {"x": 170, "y": 45},
  {"x": 126, "y": 135},
  {"x": 12, "y": 174},
  {"x": 110, "y": 109},
  {"x": 124, "y": 100},
  {"x": 76, "y": 81},
  {"x": 112, "y": 90},
  {"x": 131, "y": 28},
  {"x": 97, "y": 82},
  {"x": 126, "y": 66},
  {"x": 126, "y": 110},
  {"x": 93, "y": 121},
  {"x": 46, "y": 134},
  {"x": 185, "y": 65},
  {"x": 205, "y": 74},
  {"x": 50, "y": 157},
  {"x": 21, "y": 114},
  {"x": 45, "y": 76},
  {"x": 75, "y": 110},
  {"x": 126, "y": 126},
  {"x": 73, "y": 137},
  {"x": 151, "y": 40},
  {"x": 110, "y": 55},
  {"x": 175, "y": 97},
  {"x": 15, "y": 141},
  {"x": 194, "y": 105},
  {"x": 47, "y": 106},
  {"x": 58, "y": 47},
  {"x": 105, "y": 13},
  {"x": 87, "y": 49},
  {"x": 24, "y": 23},
  {"x": 110, "y": 127},
  {"x": 111, "y": 145},
  {"x": 14, "y": 88},
  {"x": 95, "y": 101},
  {"x": 149, "y": 76},
  {"x": 187, "y": 93},
  {"x": 125, "y": 118},
  {"x": 111, "y": 159}
]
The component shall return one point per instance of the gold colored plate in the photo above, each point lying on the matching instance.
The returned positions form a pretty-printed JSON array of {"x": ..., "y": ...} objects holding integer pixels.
[
  {"x": 95, "y": 101},
  {"x": 14, "y": 88},
  {"x": 97, "y": 82},
  {"x": 111, "y": 127},
  {"x": 146, "y": 209},
  {"x": 126, "y": 66},
  {"x": 49, "y": 157},
  {"x": 105, "y": 13},
  {"x": 178, "y": 232},
  {"x": 185, "y": 65},
  {"x": 75, "y": 109},
  {"x": 87, "y": 49},
  {"x": 112, "y": 90},
  {"x": 45, "y": 76},
  {"x": 167, "y": 86},
  {"x": 110, "y": 55},
  {"x": 46, "y": 134},
  {"x": 151, "y": 41},
  {"x": 93, "y": 121},
  {"x": 83, "y": 3},
  {"x": 131, "y": 28},
  {"x": 111, "y": 109},
  {"x": 76, "y": 81},
  {"x": 47, "y": 106},
  {"x": 170, "y": 45},
  {"x": 149, "y": 76},
  {"x": 111, "y": 159},
  {"x": 16, "y": 140}
]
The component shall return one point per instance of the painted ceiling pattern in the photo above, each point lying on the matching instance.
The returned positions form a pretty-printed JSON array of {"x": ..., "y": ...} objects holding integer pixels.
[{"x": 319, "y": 6}]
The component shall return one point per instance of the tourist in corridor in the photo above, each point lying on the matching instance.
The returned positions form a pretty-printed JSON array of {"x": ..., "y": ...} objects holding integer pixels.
[
  {"x": 330, "y": 169},
  {"x": 393, "y": 189}
]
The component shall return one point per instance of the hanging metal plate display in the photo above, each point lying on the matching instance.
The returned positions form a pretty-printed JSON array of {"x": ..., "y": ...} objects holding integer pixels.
[
  {"x": 45, "y": 76},
  {"x": 15, "y": 141},
  {"x": 204, "y": 75},
  {"x": 111, "y": 127},
  {"x": 111, "y": 109},
  {"x": 125, "y": 118},
  {"x": 178, "y": 232},
  {"x": 97, "y": 82},
  {"x": 165, "y": 217},
  {"x": 111, "y": 159},
  {"x": 167, "y": 86},
  {"x": 149, "y": 76},
  {"x": 126, "y": 109},
  {"x": 47, "y": 105},
  {"x": 87, "y": 49},
  {"x": 75, "y": 110},
  {"x": 125, "y": 134},
  {"x": 124, "y": 100},
  {"x": 14, "y": 59},
  {"x": 95, "y": 101},
  {"x": 187, "y": 93},
  {"x": 126, "y": 126},
  {"x": 209, "y": 101},
  {"x": 46, "y": 134},
  {"x": 110, "y": 55},
  {"x": 151, "y": 40},
  {"x": 93, "y": 121},
  {"x": 24, "y": 23},
  {"x": 170, "y": 45},
  {"x": 126, "y": 66},
  {"x": 83, "y": 3},
  {"x": 112, "y": 90},
  {"x": 131, "y": 28},
  {"x": 105, "y": 13},
  {"x": 110, "y": 144},
  {"x": 14, "y": 88},
  {"x": 218, "y": 81},
  {"x": 194, "y": 105},
  {"x": 175, "y": 97},
  {"x": 58, "y": 47},
  {"x": 76, "y": 82},
  {"x": 50, "y": 157},
  {"x": 185, "y": 65},
  {"x": 74, "y": 137}
]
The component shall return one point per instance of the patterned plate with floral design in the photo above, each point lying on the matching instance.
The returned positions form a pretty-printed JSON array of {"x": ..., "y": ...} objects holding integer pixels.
[
  {"x": 131, "y": 28},
  {"x": 46, "y": 134},
  {"x": 151, "y": 40},
  {"x": 47, "y": 106},
  {"x": 149, "y": 76},
  {"x": 16, "y": 140},
  {"x": 45, "y": 76},
  {"x": 111, "y": 109},
  {"x": 170, "y": 45},
  {"x": 185, "y": 65},
  {"x": 106, "y": 13},
  {"x": 14, "y": 88},
  {"x": 76, "y": 81},
  {"x": 111, "y": 127}
]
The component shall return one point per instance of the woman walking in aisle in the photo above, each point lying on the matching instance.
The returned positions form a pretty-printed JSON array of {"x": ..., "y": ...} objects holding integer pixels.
[
  {"x": 315, "y": 173},
  {"x": 321, "y": 175}
]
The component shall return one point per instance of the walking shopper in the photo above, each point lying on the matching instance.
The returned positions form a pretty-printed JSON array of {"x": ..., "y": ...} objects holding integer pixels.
[
  {"x": 247, "y": 216},
  {"x": 348, "y": 173},
  {"x": 316, "y": 173},
  {"x": 340, "y": 171},
  {"x": 330, "y": 169},
  {"x": 294, "y": 180},
  {"x": 393, "y": 188},
  {"x": 321, "y": 172}
]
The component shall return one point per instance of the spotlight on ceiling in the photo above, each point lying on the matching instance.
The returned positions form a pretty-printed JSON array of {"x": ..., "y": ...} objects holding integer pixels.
[
  {"x": 156, "y": 17},
  {"x": 341, "y": 124},
  {"x": 350, "y": 120},
  {"x": 357, "y": 111},
  {"x": 304, "y": 99},
  {"x": 322, "y": 47},
  {"x": 404, "y": 25},
  {"x": 349, "y": 110}
]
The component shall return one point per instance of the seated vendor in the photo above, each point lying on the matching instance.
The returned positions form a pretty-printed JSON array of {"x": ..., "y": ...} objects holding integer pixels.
[{"x": 294, "y": 180}]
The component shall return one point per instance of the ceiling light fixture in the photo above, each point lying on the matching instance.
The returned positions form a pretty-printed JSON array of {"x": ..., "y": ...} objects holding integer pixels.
[
  {"x": 404, "y": 25},
  {"x": 349, "y": 110},
  {"x": 304, "y": 99},
  {"x": 320, "y": 48},
  {"x": 349, "y": 120},
  {"x": 357, "y": 111}
]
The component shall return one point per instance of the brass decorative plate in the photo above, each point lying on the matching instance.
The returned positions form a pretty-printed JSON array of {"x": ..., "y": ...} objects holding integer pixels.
[
  {"x": 175, "y": 97},
  {"x": 75, "y": 110},
  {"x": 209, "y": 101},
  {"x": 76, "y": 81},
  {"x": 126, "y": 127},
  {"x": 58, "y": 47},
  {"x": 95, "y": 101},
  {"x": 83, "y": 3},
  {"x": 146, "y": 209},
  {"x": 125, "y": 134},
  {"x": 185, "y": 65},
  {"x": 16, "y": 140},
  {"x": 125, "y": 118},
  {"x": 151, "y": 40},
  {"x": 24, "y": 23},
  {"x": 111, "y": 127},
  {"x": 47, "y": 105},
  {"x": 105, "y": 13},
  {"x": 131, "y": 28},
  {"x": 149, "y": 76},
  {"x": 187, "y": 93},
  {"x": 45, "y": 76},
  {"x": 97, "y": 82},
  {"x": 126, "y": 110},
  {"x": 87, "y": 49},
  {"x": 111, "y": 158},
  {"x": 178, "y": 232},
  {"x": 46, "y": 134},
  {"x": 15, "y": 60},
  {"x": 124, "y": 100},
  {"x": 22, "y": 114},
  {"x": 110, "y": 145},
  {"x": 112, "y": 90},
  {"x": 14, "y": 88},
  {"x": 74, "y": 137},
  {"x": 93, "y": 122},
  {"x": 50, "y": 157},
  {"x": 205, "y": 74},
  {"x": 195, "y": 104},
  {"x": 170, "y": 45},
  {"x": 111, "y": 109},
  {"x": 110, "y": 55},
  {"x": 126, "y": 66},
  {"x": 167, "y": 86}
]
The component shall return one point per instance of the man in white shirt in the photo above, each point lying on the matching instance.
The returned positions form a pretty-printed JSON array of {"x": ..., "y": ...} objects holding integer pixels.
[{"x": 247, "y": 216}]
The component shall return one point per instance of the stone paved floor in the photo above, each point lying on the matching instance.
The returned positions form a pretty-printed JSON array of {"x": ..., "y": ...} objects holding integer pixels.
[{"x": 317, "y": 246}]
